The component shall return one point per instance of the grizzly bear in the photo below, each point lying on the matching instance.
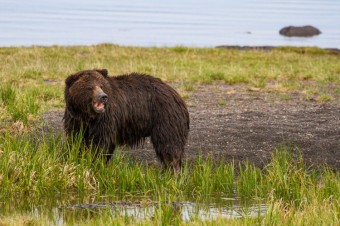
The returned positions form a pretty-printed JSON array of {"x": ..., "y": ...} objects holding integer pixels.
[{"x": 125, "y": 110}]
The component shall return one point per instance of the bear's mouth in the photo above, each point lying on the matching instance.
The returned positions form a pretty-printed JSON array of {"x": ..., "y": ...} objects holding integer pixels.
[
  {"x": 98, "y": 106},
  {"x": 99, "y": 100}
]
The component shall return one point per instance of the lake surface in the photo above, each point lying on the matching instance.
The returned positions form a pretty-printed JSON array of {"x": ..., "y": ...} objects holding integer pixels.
[{"x": 166, "y": 23}]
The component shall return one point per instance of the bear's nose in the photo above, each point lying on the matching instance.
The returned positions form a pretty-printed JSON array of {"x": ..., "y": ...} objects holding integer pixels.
[{"x": 103, "y": 97}]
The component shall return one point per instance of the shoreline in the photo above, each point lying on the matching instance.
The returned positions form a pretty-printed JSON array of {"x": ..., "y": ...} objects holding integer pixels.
[
  {"x": 270, "y": 48},
  {"x": 234, "y": 47}
]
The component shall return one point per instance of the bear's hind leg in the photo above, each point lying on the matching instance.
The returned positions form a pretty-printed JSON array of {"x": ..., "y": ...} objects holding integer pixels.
[
  {"x": 173, "y": 162},
  {"x": 170, "y": 157}
]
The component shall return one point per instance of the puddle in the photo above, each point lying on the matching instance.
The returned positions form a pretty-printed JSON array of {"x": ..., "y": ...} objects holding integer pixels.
[
  {"x": 186, "y": 210},
  {"x": 206, "y": 210}
]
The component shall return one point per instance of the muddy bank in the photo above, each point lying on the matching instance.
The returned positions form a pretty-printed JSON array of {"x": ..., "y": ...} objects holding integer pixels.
[{"x": 233, "y": 123}]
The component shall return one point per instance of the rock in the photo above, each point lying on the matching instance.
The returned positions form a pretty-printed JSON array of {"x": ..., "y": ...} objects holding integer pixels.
[{"x": 303, "y": 31}]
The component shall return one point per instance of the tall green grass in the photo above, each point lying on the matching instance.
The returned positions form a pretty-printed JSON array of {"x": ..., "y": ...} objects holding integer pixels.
[
  {"x": 19, "y": 106},
  {"x": 45, "y": 165},
  {"x": 46, "y": 169}
]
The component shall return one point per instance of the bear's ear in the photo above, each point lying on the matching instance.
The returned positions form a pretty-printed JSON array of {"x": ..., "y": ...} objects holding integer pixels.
[
  {"x": 71, "y": 79},
  {"x": 104, "y": 72}
]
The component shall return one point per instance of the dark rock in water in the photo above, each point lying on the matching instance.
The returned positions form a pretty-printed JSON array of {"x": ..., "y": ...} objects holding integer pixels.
[{"x": 304, "y": 31}]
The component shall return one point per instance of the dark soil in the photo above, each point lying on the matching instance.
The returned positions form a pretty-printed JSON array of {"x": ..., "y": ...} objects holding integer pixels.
[{"x": 236, "y": 123}]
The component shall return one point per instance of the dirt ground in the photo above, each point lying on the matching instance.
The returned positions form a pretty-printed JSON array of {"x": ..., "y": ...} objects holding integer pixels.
[{"x": 238, "y": 123}]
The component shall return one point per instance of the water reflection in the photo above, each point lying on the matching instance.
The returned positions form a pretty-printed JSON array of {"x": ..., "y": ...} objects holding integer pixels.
[{"x": 185, "y": 210}]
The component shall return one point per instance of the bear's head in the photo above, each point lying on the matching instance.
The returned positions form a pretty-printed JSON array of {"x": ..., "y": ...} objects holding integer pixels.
[{"x": 87, "y": 93}]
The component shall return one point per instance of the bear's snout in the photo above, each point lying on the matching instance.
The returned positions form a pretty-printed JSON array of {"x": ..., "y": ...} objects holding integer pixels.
[{"x": 99, "y": 100}]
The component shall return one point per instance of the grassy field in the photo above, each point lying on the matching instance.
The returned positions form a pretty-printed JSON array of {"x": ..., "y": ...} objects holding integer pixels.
[
  {"x": 39, "y": 173},
  {"x": 33, "y": 77}
]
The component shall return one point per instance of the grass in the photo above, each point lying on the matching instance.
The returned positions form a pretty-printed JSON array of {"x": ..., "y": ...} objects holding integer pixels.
[
  {"x": 28, "y": 69},
  {"x": 41, "y": 172}
]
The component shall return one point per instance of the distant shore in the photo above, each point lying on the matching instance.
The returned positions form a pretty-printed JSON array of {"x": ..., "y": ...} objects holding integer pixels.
[
  {"x": 269, "y": 48},
  {"x": 309, "y": 49}
]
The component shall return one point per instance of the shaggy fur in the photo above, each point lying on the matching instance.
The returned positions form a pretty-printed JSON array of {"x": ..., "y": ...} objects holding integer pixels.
[{"x": 137, "y": 106}]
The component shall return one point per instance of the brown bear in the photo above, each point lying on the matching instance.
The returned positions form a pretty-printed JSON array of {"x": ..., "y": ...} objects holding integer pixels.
[{"x": 125, "y": 110}]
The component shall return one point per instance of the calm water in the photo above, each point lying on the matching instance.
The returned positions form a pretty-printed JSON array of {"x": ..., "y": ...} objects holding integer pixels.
[
  {"x": 166, "y": 23},
  {"x": 186, "y": 210}
]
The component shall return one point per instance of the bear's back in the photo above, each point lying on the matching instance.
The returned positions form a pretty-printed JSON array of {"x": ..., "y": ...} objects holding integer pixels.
[
  {"x": 136, "y": 81},
  {"x": 155, "y": 98},
  {"x": 137, "y": 86}
]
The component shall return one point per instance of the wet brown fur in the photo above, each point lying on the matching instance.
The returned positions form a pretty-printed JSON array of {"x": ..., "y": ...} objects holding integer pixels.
[{"x": 138, "y": 106}]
